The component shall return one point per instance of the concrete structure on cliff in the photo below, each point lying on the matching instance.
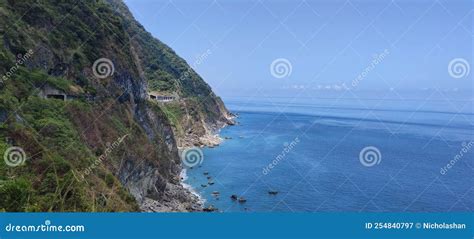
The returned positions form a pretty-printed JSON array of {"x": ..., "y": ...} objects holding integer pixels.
[
  {"x": 162, "y": 97},
  {"x": 50, "y": 92}
]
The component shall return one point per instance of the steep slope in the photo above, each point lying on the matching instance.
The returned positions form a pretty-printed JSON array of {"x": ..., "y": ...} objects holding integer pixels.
[
  {"x": 201, "y": 112},
  {"x": 108, "y": 147}
]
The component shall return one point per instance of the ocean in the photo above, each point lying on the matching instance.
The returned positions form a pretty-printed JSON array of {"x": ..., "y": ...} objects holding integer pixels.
[{"x": 342, "y": 154}]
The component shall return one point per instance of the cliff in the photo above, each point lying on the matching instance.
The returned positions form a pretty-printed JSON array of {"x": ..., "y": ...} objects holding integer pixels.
[
  {"x": 74, "y": 97},
  {"x": 200, "y": 113}
]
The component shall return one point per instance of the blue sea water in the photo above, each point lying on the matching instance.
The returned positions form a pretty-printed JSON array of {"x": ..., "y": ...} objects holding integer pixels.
[{"x": 314, "y": 146}]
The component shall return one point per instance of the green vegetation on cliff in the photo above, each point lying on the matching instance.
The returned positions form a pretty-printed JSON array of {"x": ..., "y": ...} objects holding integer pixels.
[{"x": 74, "y": 158}]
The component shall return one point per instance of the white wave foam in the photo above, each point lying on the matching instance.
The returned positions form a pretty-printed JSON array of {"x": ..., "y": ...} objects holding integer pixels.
[{"x": 184, "y": 176}]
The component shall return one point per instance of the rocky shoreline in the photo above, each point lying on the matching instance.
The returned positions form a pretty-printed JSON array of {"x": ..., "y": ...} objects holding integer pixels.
[
  {"x": 181, "y": 197},
  {"x": 177, "y": 199}
]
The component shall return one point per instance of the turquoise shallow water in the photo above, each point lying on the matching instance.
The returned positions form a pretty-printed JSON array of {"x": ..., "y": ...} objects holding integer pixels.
[{"x": 314, "y": 152}]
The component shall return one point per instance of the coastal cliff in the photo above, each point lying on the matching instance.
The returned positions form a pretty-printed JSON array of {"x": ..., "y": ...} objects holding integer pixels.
[
  {"x": 94, "y": 143},
  {"x": 198, "y": 116}
]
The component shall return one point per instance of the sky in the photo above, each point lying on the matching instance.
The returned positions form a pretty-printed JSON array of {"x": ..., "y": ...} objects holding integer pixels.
[{"x": 280, "y": 47}]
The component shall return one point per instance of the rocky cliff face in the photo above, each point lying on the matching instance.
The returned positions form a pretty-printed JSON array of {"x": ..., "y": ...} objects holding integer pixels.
[
  {"x": 200, "y": 114},
  {"x": 109, "y": 148}
]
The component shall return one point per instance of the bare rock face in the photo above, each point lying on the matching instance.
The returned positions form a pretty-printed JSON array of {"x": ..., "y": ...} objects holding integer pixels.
[{"x": 175, "y": 199}]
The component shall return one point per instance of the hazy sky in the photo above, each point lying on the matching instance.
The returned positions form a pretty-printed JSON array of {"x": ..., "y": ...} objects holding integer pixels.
[{"x": 324, "y": 45}]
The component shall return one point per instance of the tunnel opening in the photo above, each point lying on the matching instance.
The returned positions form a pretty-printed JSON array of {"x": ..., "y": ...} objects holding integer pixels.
[{"x": 59, "y": 97}]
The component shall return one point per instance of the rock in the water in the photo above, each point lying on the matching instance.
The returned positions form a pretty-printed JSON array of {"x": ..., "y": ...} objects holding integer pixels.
[
  {"x": 273, "y": 192},
  {"x": 206, "y": 173},
  {"x": 242, "y": 200},
  {"x": 210, "y": 209},
  {"x": 233, "y": 197},
  {"x": 203, "y": 185}
]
